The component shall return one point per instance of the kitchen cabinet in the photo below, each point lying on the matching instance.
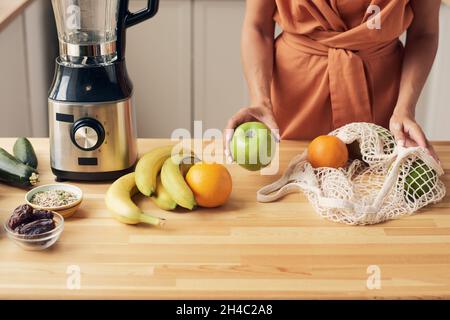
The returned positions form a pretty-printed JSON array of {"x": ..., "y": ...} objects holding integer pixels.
[
  {"x": 26, "y": 64},
  {"x": 219, "y": 85},
  {"x": 184, "y": 63},
  {"x": 14, "y": 119},
  {"x": 433, "y": 109},
  {"x": 159, "y": 63}
]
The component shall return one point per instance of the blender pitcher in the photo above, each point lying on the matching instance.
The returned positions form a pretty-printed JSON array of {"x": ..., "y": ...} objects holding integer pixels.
[
  {"x": 92, "y": 30},
  {"x": 87, "y": 28},
  {"x": 91, "y": 116}
]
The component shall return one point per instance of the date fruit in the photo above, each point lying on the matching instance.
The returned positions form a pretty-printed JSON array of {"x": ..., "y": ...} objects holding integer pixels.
[
  {"x": 21, "y": 215},
  {"x": 26, "y": 220},
  {"x": 42, "y": 214},
  {"x": 37, "y": 227}
]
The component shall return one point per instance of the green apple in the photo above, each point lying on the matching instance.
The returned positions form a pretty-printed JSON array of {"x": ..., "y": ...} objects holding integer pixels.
[
  {"x": 419, "y": 181},
  {"x": 253, "y": 146}
]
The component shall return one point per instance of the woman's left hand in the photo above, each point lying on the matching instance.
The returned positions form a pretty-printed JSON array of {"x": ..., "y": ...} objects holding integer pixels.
[{"x": 408, "y": 133}]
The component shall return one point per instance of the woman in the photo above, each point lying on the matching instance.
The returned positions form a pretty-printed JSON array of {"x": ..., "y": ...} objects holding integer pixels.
[{"x": 336, "y": 62}]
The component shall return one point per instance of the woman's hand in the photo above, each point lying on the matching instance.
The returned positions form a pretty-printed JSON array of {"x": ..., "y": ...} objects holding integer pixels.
[
  {"x": 257, "y": 52},
  {"x": 422, "y": 33},
  {"x": 258, "y": 112},
  {"x": 408, "y": 133}
]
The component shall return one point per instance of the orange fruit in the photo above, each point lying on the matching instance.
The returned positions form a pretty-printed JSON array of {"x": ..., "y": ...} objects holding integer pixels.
[
  {"x": 211, "y": 184},
  {"x": 327, "y": 151}
]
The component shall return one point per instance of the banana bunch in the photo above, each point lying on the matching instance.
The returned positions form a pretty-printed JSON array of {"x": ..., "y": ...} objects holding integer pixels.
[{"x": 159, "y": 175}]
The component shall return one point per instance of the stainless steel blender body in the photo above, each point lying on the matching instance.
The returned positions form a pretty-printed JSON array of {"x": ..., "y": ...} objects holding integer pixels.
[
  {"x": 92, "y": 141},
  {"x": 91, "y": 116}
]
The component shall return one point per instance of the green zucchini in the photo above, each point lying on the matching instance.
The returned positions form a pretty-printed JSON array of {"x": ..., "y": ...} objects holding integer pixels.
[
  {"x": 24, "y": 152},
  {"x": 14, "y": 172}
]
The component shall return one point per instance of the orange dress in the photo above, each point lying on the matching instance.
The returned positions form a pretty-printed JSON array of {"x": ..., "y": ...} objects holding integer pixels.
[{"x": 331, "y": 68}]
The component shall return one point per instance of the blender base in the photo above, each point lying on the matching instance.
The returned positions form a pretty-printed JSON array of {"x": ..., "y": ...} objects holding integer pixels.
[{"x": 90, "y": 176}]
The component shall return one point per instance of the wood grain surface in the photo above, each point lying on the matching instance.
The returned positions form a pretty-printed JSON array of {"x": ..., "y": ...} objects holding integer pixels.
[{"x": 242, "y": 250}]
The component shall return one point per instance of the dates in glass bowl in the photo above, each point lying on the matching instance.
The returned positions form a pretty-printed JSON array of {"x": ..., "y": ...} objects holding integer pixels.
[
  {"x": 25, "y": 215},
  {"x": 34, "y": 229}
]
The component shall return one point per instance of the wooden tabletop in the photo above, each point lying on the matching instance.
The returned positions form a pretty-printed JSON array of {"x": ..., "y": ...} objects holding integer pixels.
[{"x": 242, "y": 250}]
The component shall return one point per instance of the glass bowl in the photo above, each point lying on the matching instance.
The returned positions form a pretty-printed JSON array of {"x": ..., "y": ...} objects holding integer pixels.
[{"x": 38, "y": 241}]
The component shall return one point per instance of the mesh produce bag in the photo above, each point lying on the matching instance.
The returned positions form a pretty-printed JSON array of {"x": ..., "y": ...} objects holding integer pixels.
[{"x": 387, "y": 182}]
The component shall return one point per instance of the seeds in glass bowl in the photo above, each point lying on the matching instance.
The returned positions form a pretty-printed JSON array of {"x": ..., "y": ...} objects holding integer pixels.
[{"x": 53, "y": 198}]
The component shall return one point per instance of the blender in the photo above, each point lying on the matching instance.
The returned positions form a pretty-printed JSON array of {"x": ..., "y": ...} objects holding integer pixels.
[{"x": 91, "y": 116}]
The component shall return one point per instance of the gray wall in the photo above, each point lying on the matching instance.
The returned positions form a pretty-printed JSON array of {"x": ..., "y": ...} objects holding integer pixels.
[
  {"x": 184, "y": 63},
  {"x": 28, "y": 49}
]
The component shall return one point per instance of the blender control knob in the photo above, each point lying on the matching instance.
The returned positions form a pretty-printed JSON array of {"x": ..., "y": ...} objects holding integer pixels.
[{"x": 88, "y": 134}]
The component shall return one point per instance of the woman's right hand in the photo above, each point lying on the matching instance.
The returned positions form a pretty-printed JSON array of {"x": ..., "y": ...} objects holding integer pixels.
[{"x": 257, "y": 112}]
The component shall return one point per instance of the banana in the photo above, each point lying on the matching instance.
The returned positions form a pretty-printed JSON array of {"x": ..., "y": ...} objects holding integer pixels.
[
  {"x": 162, "y": 198},
  {"x": 148, "y": 167},
  {"x": 173, "y": 181},
  {"x": 118, "y": 201}
]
